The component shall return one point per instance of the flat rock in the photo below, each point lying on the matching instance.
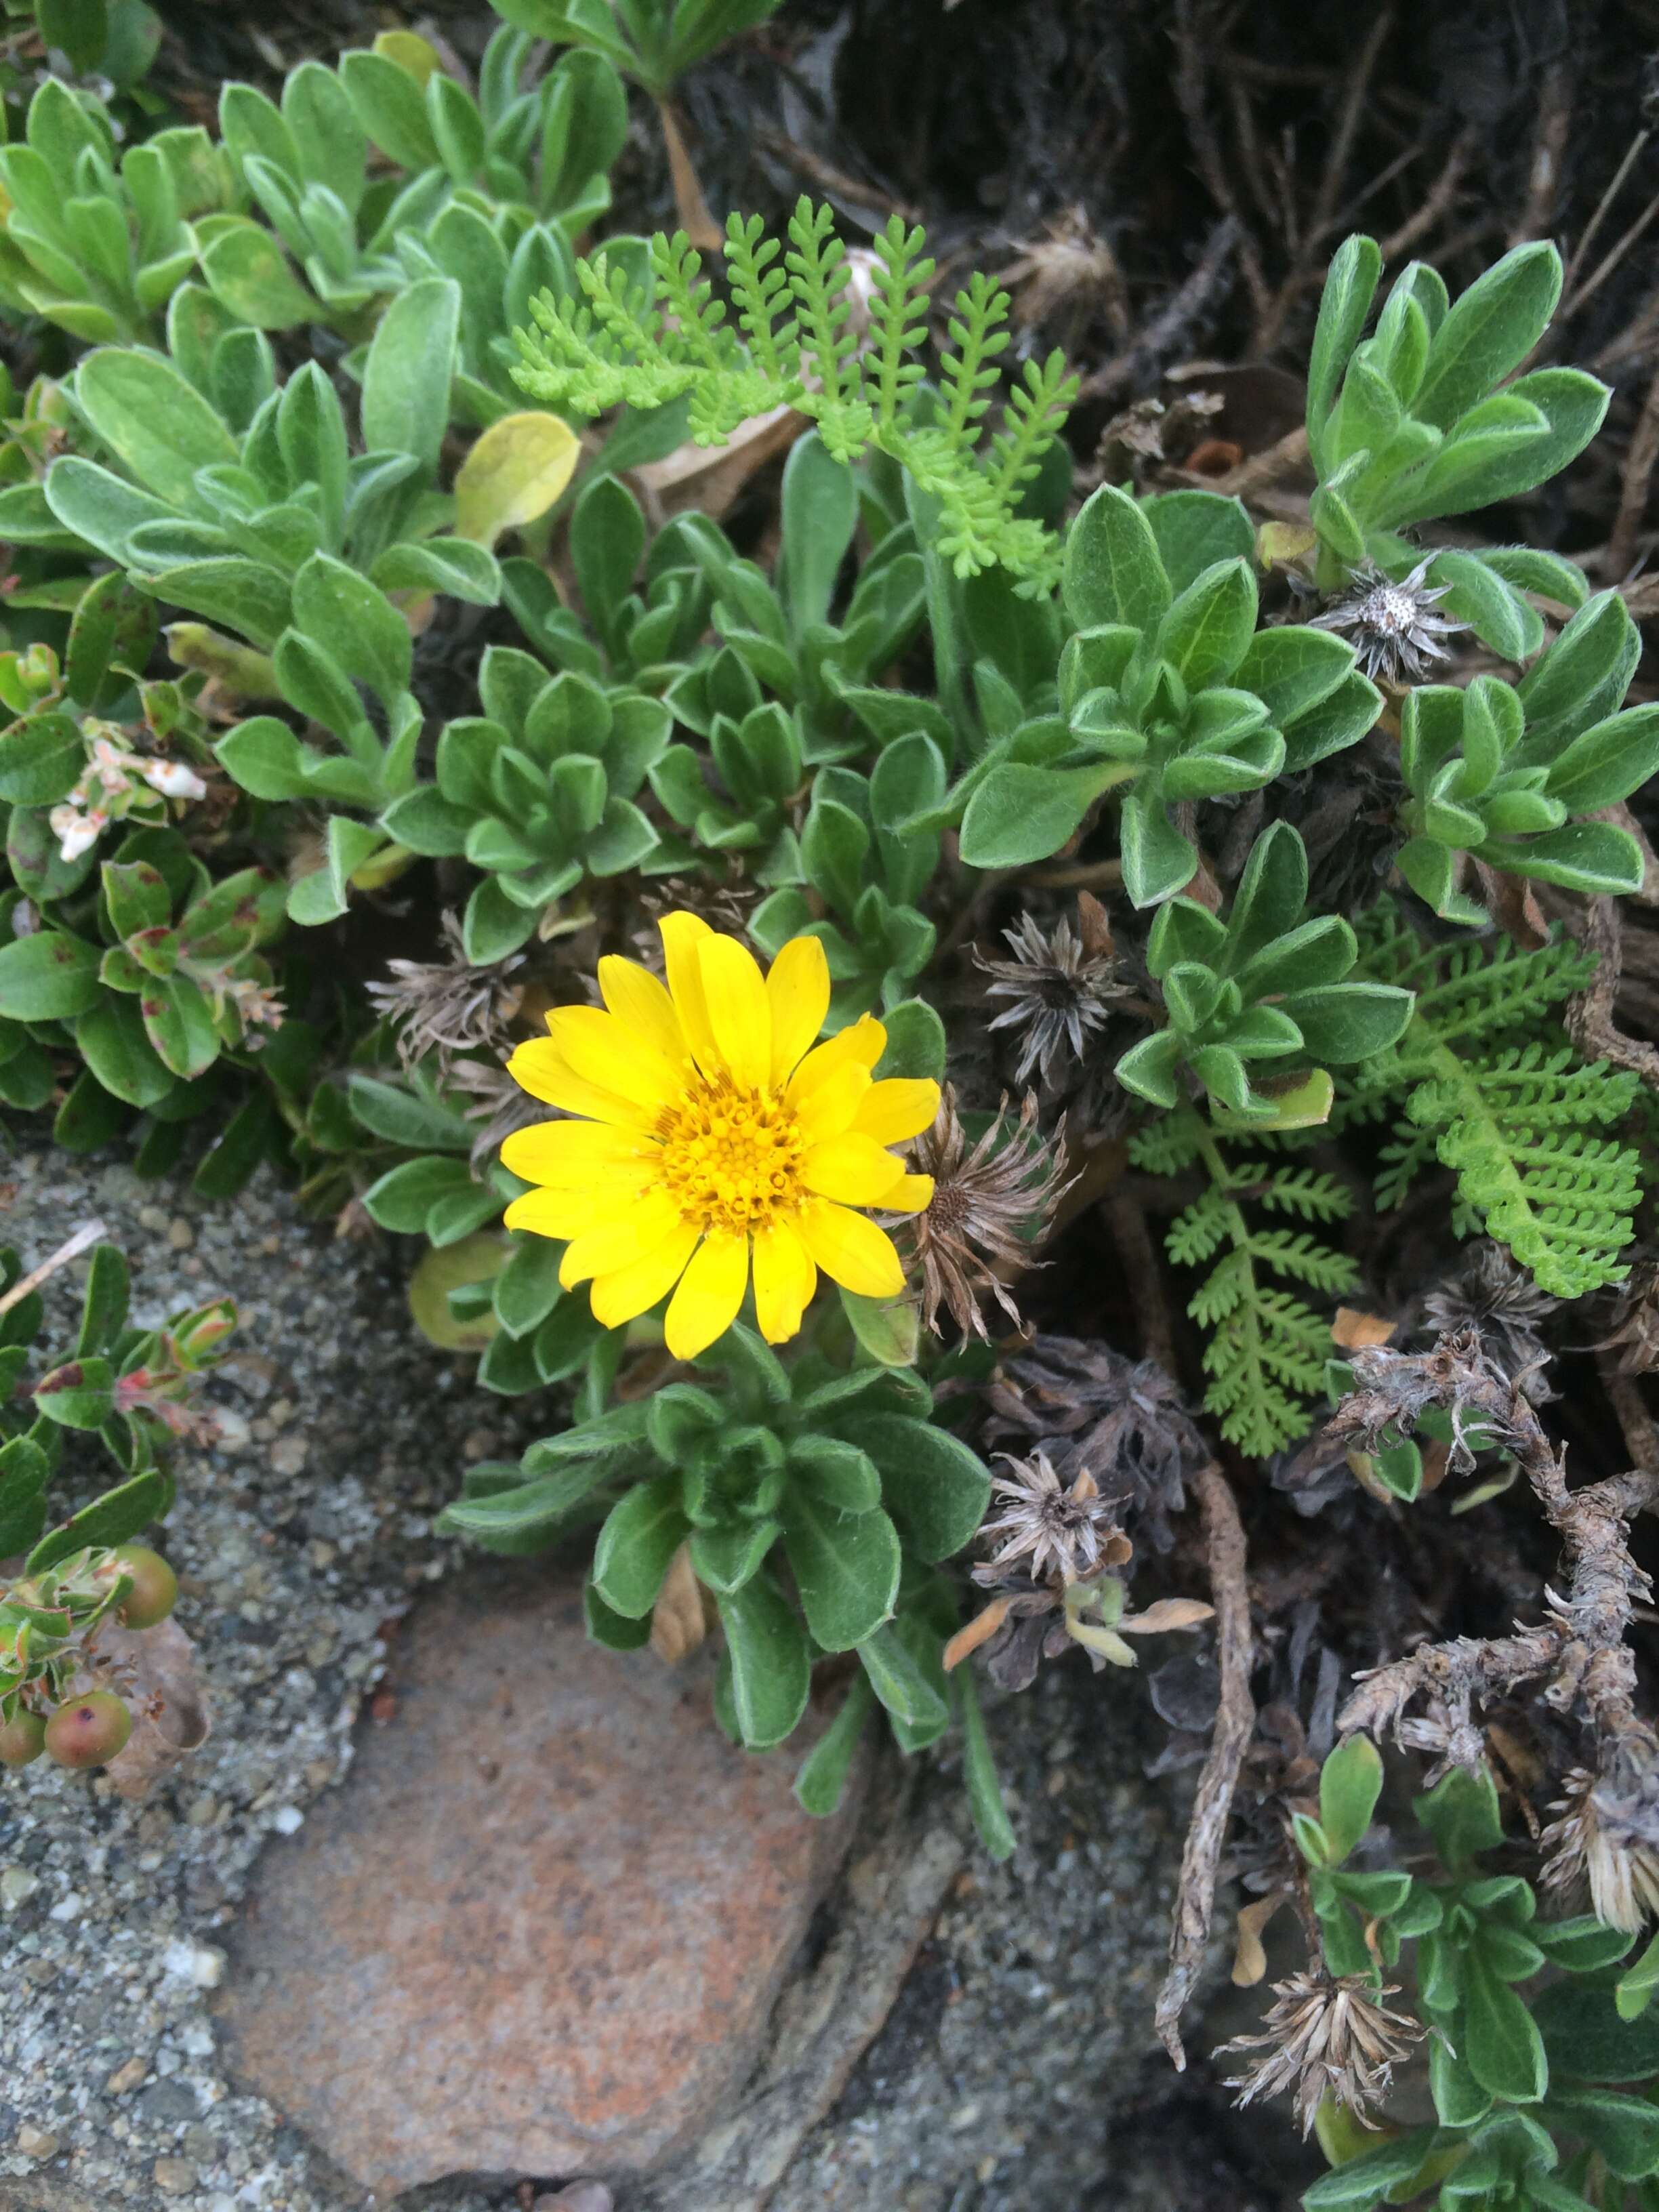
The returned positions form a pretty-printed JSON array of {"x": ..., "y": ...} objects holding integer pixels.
[{"x": 541, "y": 1927}]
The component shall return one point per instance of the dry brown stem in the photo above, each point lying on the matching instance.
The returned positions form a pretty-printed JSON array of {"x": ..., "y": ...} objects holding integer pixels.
[
  {"x": 1580, "y": 1648},
  {"x": 1589, "y": 1013},
  {"x": 1235, "y": 1723}
]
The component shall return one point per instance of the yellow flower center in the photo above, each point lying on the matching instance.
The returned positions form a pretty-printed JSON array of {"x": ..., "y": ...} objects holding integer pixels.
[{"x": 730, "y": 1155}]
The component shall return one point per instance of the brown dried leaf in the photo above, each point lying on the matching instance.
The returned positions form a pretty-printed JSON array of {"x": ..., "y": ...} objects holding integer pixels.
[
  {"x": 154, "y": 1670},
  {"x": 1250, "y": 1959},
  {"x": 1168, "y": 1613},
  {"x": 709, "y": 478},
  {"x": 979, "y": 1628},
  {"x": 677, "y": 1625},
  {"x": 1353, "y": 1328}
]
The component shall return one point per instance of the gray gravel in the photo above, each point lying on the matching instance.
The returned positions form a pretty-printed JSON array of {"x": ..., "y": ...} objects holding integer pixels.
[{"x": 299, "y": 1539}]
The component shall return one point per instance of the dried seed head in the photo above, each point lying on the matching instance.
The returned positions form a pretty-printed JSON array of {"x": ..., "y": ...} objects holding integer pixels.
[
  {"x": 499, "y": 1106},
  {"x": 1490, "y": 1293},
  {"x": 1393, "y": 626},
  {"x": 1603, "y": 1846},
  {"x": 1051, "y": 1532},
  {"x": 1059, "y": 987},
  {"x": 1325, "y": 2036},
  {"x": 448, "y": 1007},
  {"x": 989, "y": 1209},
  {"x": 1086, "y": 1406},
  {"x": 1634, "y": 1335}
]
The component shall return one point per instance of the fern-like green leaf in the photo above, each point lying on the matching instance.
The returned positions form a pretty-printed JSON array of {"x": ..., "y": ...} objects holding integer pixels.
[
  {"x": 1483, "y": 1081},
  {"x": 1267, "y": 1347},
  {"x": 803, "y": 346}
]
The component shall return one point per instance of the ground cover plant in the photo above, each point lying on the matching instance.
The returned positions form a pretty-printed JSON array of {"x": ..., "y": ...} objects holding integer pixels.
[{"x": 1018, "y": 1043}]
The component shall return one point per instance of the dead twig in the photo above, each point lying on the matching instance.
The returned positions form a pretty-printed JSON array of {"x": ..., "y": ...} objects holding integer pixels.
[
  {"x": 1580, "y": 1647},
  {"x": 1549, "y": 143},
  {"x": 1436, "y": 201},
  {"x": 1204, "y": 288},
  {"x": 1576, "y": 260},
  {"x": 1223, "y": 1535},
  {"x": 1609, "y": 261},
  {"x": 89, "y": 1234},
  {"x": 1635, "y": 1422},
  {"x": 1193, "y": 27},
  {"x": 1264, "y": 469},
  {"x": 1135, "y": 1249},
  {"x": 1590, "y": 1012},
  {"x": 1639, "y": 460}
]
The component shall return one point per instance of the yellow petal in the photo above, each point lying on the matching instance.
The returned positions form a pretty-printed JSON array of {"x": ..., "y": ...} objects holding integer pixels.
[
  {"x": 896, "y": 1108},
  {"x": 542, "y": 1069},
  {"x": 785, "y": 1280},
  {"x": 852, "y": 1168},
  {"x": 798, "y": 990},
  {"x": 830, "y": 1107},
  {"x": 642, "y": 1004},
  {"x": 682, "y": 933},
  {"x": 569, "y": 1151},
  {"x": 734, "y": 993},
  {"x": 864, "y": 1043},
  {"x": 561, "y": 1213},
  {"x": 627, "y": 1292},
  {"x": 909, "y": 1195},
  {"x": 597, "y": 1045},
  {"x": 851, "y": 1249},
  {"x": 628, "y": 1234},
  {"x": 710, "y": 1291}
]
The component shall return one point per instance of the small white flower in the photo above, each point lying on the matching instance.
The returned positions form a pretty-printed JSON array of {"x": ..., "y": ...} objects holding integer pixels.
[
  {"x": 172, "y": 779},
  {"x": 77, "y": 833}
]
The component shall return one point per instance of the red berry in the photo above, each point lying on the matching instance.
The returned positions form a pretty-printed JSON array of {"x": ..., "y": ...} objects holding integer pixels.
[
  {"x": 88, "y": 1730},
  {"x": 22, "y": 1738},
  {"x": 155, "y": 1590}
]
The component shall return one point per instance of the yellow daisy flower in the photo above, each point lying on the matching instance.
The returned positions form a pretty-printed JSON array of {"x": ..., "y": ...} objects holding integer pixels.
[{"x": 716, "y": 1125}]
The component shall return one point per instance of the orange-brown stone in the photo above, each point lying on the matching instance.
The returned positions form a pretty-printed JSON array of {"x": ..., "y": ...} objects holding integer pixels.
[{"x": 539, "y": 1928}]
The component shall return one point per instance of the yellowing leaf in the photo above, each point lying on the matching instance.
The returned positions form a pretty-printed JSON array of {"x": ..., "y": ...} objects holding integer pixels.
[
  {"x": 411, "y": 52},
  {"x": 514, "y": 472},
  {"x": 445, "y": 1268}
]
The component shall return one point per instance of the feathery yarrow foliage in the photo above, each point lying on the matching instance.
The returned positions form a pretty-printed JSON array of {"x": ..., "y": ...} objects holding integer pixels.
[
  {"x": 1485, "y": 1081},
  {"x": 643, "y": 341}
]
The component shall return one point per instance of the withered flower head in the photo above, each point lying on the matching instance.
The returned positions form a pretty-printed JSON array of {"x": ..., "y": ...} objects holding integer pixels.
[
  {"x": 983, "y": 1200},
  {"x": 1602, "y": 1847},
  {"x": 1634, "y": 1335},
  {"x": 1393, "y": 627},
  {"x": 1058, "y": 987},
  {"x": 724, "y": 907},
  {"x": 1325, "y": 2036},
  {"x": 500, "y": 1106},
  {"x": 1085, "y": 1405},
  {"x": 1055, "y": 1533},
  {"x": 445, "y": 1007},
  {"x": 1489, "y": 1293}
]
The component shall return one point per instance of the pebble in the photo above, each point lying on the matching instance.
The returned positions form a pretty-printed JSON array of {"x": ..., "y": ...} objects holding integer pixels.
[
  {"x": 36, "y": 2142},
  {"x": 176, "y": 2175},
  {"x": 126, "y": 2077}
]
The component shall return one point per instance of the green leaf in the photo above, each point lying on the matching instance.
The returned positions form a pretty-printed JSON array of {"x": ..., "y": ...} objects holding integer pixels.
[
  {"x": 48, "y": 976},
  {"x": 1020, "y": 813},
  {"x": 1206, "y": 632},
  {"x": 264, "y": 757},
  {"x": 1349, "y": 288},
  {"x": 356, "y": 624},
  {"x": 640, "y": 1536},
  {"x": 614, "y": 1629},
  {"x": 1581, "y": 1944},
  {"x": 1350, "y": 1783},
  {"x": 1361, "y": 2182},
  {"x": 1113, "y": 571},
  {"x": 156, "y": 422},
  {"x": 248, "y": 272},
  {"x": 889, "y": 1329},
  {"x": 1196, "y": 529},
  {"x": 411, "y": 360},
  {"x": 527, "y": 1519},
  {"x": 1607, "y": 762},
  {"x": 115, "y": 1518},
  {"x": 1489, "y": 333},
  {"x": 916, "y": 1042},
  {"x": 1588, "y": 2041},
  {"x": 41, "y": 760},
  {"x": 113, "y": 1041},
  {"x": 418, "y": 1122},
  {"x": 1624, "y": 2131},
  {"x": 933, "y": 1484},
  {"x": 1502, "y": 2046},
  {"x": 1461, "y": 1813},
  {"x": 771, "y": 1667},
  {"x": 846, "y": 1567},
  {"x": 898, "y": 1680},
  {"x": 822, "y": 1780},
  {"x": 979, "y": 1771}
]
